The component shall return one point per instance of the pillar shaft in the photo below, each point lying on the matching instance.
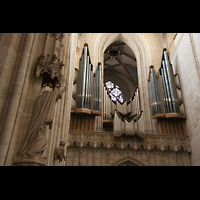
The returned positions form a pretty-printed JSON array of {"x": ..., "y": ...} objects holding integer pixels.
[{"x": 9, "y": 122}]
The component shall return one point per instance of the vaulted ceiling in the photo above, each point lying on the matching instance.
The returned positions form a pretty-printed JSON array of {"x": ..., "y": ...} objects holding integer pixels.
[{"x": 120, "y": 64}]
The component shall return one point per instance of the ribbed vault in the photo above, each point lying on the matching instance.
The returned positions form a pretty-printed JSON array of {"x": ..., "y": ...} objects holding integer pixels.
[{"x": 120, "y": 64}]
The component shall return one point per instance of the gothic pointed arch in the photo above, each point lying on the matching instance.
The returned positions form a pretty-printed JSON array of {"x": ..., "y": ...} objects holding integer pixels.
[
  {"x": 148, "y": 51},
  {"x": 127, "y": 161},
  {"x": 120, "y": 67}
]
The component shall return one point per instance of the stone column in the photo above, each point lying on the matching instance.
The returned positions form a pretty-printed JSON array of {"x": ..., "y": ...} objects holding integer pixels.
[
  {"x": 197, "y": 64},
  {"x": 9, "y": 122}
]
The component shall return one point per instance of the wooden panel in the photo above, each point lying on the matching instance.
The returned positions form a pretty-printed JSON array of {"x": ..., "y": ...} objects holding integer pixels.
[
  {"x": 82, "y": 122},
  {"x": 171, "y": 126}
]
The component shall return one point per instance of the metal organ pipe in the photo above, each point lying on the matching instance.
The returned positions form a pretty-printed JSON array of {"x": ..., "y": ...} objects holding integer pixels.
[
  {"x": 97, "y": 88},
  {"x": 80, "y": 80},
  {"x": 153, "y": 95},
  {"x": 100, "y": 89},
  {"x": 171, "y": 83},
  {"x": 158, "y": 95},
  {"x": 168, "y": 87},
  {"x": 84, "y": 95},
  {"x": 87, "y": 84},
  {"x": 84, "y": 77},
  {"x": 94, "y": 93},
  {"x": 97, "y": 91},
  {"x": 165, "y": 95},
  {"x": 126, "y": 116}
]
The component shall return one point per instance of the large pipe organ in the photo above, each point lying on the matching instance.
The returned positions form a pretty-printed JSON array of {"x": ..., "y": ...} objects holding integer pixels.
[
  {"x": 87, "y": 102},
  {"x": 86, "y": 95},
  {"x": 166, "y": 99}
]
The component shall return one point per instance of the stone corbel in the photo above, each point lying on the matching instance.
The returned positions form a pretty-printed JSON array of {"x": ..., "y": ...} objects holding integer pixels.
[
  {"x": 52, "y": 67},
  {"x": 59, "y": 153}
]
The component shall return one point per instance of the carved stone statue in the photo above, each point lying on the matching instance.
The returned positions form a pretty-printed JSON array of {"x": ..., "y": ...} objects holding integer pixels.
[
  {"x": 41, "y": 121},
  {"x": 59, "y": 153}
]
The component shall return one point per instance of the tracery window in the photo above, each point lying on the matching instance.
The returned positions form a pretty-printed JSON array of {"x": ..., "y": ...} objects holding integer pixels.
[{"x": 115, "y": 92}]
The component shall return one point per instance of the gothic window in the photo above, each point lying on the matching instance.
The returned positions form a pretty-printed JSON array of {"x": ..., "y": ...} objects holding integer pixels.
[{"x": 115, "y": 92}]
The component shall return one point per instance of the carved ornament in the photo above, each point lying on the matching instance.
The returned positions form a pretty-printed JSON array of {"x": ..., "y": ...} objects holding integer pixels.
[
  {"x": 53, "y": 67},
  {"x": 59, "y": 153},
  {"x": 150, "y": 142}
]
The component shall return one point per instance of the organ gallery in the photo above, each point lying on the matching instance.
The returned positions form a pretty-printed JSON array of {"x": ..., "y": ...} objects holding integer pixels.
[{"x": 99, "y": 99}]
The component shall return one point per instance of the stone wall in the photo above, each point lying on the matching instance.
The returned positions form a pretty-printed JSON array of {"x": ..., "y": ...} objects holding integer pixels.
[
  {"x": 185, "y": 59},
  {"x": 102, "y": 149},
  {"x": 19, "y": 88}
]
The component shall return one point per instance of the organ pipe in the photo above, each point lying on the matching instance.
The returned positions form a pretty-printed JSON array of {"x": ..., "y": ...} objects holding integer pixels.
[
  {"x": 84, "y": 78},
  {"x": 164, "y": 86},
  {"x": 100, "y": 89},
  {"x": 97, "y": 90},
  {"x": 89, "y": 89},
  {"x": 155, "y": 95},
  {"x": 80, "y": 81},
  {"x": 125, "y": 115},
  {"x": 171, "y": 82}
]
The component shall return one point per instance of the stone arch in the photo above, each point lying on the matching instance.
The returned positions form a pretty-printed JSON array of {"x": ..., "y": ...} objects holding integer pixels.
[
  {"x": 148, "y": 51},
  {"x": 142, "y": 53},
  {"x": 127, "y": 161}
]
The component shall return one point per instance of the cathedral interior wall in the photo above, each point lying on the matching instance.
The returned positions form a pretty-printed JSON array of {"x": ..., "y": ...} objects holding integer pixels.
[
  {"x": 19, "y": 89},
  {"x": 185, "y": 58},
  {"x": 23, "y": 87},
  {"x": 115, "y": 157}
]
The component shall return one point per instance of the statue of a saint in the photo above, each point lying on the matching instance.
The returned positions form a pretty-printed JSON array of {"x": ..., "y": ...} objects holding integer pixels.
[{"x": 42, "y": 119}]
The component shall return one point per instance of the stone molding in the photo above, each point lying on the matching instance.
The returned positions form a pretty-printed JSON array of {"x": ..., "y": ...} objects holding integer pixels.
[
  {"x": 149, "y": 142},
  {"x": 128, "y": 160},
  {"x": 29, "y": 160}
]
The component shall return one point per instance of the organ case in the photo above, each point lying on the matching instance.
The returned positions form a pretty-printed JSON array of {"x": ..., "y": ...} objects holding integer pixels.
[
  {"x": 166, "y": 100},
  {"x": 86, "y": 95},
  {"x": 124, "y": 116}
]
